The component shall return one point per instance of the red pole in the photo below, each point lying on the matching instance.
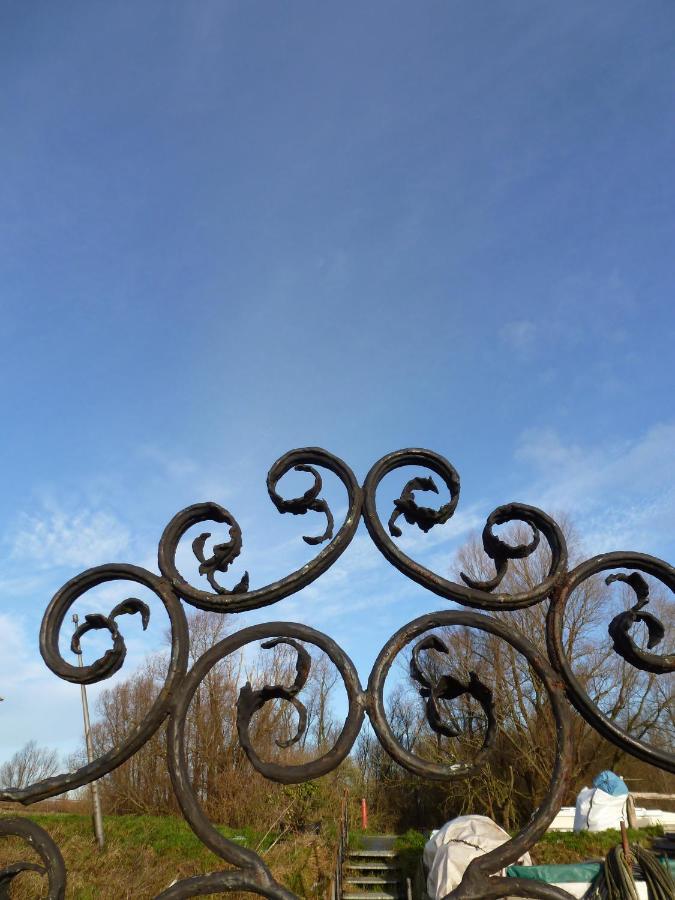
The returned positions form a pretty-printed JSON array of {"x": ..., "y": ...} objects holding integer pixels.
[{"x": 364, "y": 814}]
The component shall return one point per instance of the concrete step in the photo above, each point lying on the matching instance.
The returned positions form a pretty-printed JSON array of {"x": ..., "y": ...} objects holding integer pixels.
[
  {"x": 369, "y": 895},
  {"x": 373, "y": 854},
  {"x": 371, "y": 879},
  {"x": 375, "y": 864},
  {"x": 378, "y": 841}
]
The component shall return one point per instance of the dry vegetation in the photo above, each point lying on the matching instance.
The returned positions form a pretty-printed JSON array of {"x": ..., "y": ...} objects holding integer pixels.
[
  {"x": 227, "y": 786},
  {"x": 145, "y": 854}
]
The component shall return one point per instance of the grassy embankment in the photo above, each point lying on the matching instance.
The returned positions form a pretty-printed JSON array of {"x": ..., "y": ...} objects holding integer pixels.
[{"x": 144, "y": 854}]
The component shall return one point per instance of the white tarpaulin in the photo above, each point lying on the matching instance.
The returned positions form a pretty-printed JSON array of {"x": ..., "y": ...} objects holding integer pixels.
[
  {"x": 598, "y": 811},
  {"x": 450, "y": 850}
]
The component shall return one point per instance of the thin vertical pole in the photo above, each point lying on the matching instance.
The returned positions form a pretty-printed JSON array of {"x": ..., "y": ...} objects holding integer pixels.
[
  {"x": 95, "y": 799},
  {"x": 364, "y": 814}
]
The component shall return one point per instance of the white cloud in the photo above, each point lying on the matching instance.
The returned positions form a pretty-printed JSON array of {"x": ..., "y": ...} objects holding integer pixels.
[
  {"x": 169, "y": 465},
  {"x": 620, "y": 493},
  {"x": 53, "y": 537},
  {"x": 181, "y": 475}
]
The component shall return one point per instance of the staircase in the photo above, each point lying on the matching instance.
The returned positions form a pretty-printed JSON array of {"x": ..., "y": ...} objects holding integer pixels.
[{"x": 372, "y": 873}]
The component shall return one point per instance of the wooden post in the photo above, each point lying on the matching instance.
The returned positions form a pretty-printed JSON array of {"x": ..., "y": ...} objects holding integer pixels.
[
  {"x": 630, "y": 812},
  {"x": 364, "y": 814},
  {"x": 624, "y": 843}
]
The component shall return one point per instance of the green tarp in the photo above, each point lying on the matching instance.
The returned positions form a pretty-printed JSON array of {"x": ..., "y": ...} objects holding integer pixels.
[{"x": 584, "y": 872}]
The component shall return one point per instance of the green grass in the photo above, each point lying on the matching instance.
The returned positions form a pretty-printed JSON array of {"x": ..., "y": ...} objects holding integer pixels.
[
  {"x": 147, "y": 853},
  {"x": 160, "y": 833},
  {"x": 566, "y": 847},
  {"x": 409, "y": 847}
]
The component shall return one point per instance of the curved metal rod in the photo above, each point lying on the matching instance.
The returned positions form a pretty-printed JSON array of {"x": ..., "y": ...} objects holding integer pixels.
[
  {"x": 620, "y": 626},
  {"x": 474, "y": 594},
  {"x": 54, "y": 867},
  {"x": 608, "y": 728},
  {"x": 241, "y": 599},
  {"x": 497, "y": 887},
  {"x": 103, "y": 668},
  {"x": 254, "y": 880},
  {"x": 447, "y": 687},
  {"x": 251, "y": 701}
]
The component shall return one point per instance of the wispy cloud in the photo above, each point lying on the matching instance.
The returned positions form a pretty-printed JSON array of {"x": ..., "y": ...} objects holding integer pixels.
[
  {"x": 54, "y": 536},
  {"x": 619, "y": 492},
  {"x": 196, "y": 478}
]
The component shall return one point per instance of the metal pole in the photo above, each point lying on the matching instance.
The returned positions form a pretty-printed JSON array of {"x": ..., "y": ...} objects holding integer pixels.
[{"x": 97, "y": 816}]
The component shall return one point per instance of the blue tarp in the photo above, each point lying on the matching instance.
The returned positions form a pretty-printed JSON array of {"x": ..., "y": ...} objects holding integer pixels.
[{"x": 610, "y": 783}]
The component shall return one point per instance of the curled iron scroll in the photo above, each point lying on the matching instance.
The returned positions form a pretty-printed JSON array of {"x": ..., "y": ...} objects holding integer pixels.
[
  {"x": 278, "y": 632},
  {"x": 240, "y": 598},
  {"x": 447, "y": 687},
  {"x": 477, "y": 882},
  {"x": 619, "y": 632},
  {"x": 96, "y": 621},
  {"x": 251, "y": 701},
  {"x": 415, "y": 629},
  {"x": 473, "y": 593},
  {"x": 52, "y": 866},
  {"x": 620, "y": 628},
  {"x": 105, "y": 667}
]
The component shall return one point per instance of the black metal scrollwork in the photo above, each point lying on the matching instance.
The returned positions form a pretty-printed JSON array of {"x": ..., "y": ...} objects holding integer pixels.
[
  {"x": 172, "y": 703},
  {"x": 423, "y": 516},
  {"x": 251, "y": 701},
  {"x": 52, "y": 866},
  {"x": 241, "y": 598},
  {"x": 223, "y": 554},
  {"x": 298, "y": 506},
  {"x": 638, "y": 562},
  {"x": 619, "y": 629},
  {"x": 475, "y": 594},
  {"x": 96, "y": 621},
  {"x": 450, "y": 688},
  {"x": 104, "y": 668}
]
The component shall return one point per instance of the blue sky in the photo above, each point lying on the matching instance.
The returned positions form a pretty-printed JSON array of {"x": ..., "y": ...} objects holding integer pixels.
[{"x": 231, "y": 229}]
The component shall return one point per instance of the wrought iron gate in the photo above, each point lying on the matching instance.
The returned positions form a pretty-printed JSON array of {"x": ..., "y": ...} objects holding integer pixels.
[{"x": 555, "y": 672}]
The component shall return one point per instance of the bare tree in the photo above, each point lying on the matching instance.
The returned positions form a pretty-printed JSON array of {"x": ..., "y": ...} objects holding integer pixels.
[{"x": 30, "y": 763}]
